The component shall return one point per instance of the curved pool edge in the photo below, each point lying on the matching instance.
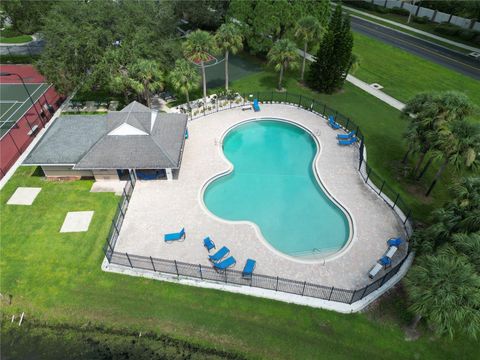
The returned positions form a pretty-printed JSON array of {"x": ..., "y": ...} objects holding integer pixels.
[{"x": 314, "y": 259}]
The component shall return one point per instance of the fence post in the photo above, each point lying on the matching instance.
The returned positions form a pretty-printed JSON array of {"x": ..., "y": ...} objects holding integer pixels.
[
  {"x": 303, "y": 290},
  {"x": 115, "y": 226},
  {"x": 381, "y": 188},
  {"x": 286, "y": 97},
  {"x": 383, "y": 280},
  {"x": 276, "y": 285},
  {"x": 353, "y": 295},
  {"x": 128, "y": 257},
  {"x": 324, "y": 108},
  {"x": 120, "y": 208},
  {"x": 271, "y": 97},
  {"x": 407, "y": 217},
  {"x": 369, "y": 170},
  {"x": 200, "y": 267},
  {"x": 300, "y": 101},
  {"x": 348, "y": 122},
  {"x": 176, "y": 267},
  {"x": 364, "y": 291},
  {"x": 331, "y": 292},
  {"x": 153, "y": 265},
  {"x": 395, "y": 202}
]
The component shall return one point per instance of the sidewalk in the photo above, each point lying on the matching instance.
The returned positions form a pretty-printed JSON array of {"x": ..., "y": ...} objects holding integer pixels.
[{"x": 365, "y": 87}]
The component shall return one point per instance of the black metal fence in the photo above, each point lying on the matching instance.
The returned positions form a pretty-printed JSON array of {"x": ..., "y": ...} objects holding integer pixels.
[
  {"x": 117, "y": 221},
  {"x": 198, "y": 271},
  {"x": 177, "y": 268}
]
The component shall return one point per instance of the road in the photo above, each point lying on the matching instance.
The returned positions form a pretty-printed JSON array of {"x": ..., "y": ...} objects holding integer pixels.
[{"x": 425, "y": 49}]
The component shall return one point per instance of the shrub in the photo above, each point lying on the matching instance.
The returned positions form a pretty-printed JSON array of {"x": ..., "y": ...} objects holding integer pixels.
[
  {"x": 421, "y": 20},
  {"x": 468, "y": 35},
  {"x": 400, "y": 11},
  {"x": 381, "y": 9},
  {"x": 447, "y": 29}
]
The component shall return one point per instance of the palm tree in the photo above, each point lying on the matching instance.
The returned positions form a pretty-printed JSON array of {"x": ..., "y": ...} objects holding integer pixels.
[
  {"x": 308, "y": 28},
  {"x": 444, "y": 290},
  {"x": 429, "y": 115},
  {"x": 229, "y": 38},
  {"x": 459, "y": 147},
  {"x": 145, "y": 77},
  {"x": 198, "y": 48},
  {"x": 282, "y": 55},
  {"x": 460, "y": 215},
  {"x": 184, "y": 78},
  {"x": 469, "y": 245}
]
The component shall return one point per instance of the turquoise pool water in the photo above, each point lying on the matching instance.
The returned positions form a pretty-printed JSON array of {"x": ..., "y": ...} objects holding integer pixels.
[{"x": 273, "y": 185}]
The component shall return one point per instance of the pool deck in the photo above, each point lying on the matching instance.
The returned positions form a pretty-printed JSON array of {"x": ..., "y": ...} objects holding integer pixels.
[{"x": 159, "y": 207}]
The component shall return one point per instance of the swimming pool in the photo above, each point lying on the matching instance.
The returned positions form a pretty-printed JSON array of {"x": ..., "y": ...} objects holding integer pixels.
[{"x": 273, "y": 185}]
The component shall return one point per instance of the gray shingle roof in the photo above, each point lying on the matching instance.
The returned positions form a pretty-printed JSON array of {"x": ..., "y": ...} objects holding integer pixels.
[
  {"x": 67, "y": 140},
  {"x": 85, "y": 141},
  {"x": 161, "y": 149}
]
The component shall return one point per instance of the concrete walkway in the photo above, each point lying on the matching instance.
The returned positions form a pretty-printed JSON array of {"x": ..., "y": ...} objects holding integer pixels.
[
  {"x": 159, "y": 207},
  {"x": 365, "y": 87}
]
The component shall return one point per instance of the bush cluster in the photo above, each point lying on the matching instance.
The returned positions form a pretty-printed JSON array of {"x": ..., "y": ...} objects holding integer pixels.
[{"x": 454, "y": 30}]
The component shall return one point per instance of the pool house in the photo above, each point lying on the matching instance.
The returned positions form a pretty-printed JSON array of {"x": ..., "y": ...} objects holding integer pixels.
[{"x": 135, "y": 141}]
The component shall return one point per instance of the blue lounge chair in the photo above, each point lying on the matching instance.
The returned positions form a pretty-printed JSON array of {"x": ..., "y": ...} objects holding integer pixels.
[
  {"x": 346, "y": 136},
  {"x": 255, "y": 105},
  {"x": 248, "y": 269},
  {"x": 223, "y": 265},
  {"x": 224, "y": 251},
  {"x": 394, "y": 241},
  {"x": 333, "y": 123},
  {"x": 385, "y": 261},
  {"x": 347, "y": 142},
  {"x": 208, "y": 243},
  {"x": 175, "y": 236}
]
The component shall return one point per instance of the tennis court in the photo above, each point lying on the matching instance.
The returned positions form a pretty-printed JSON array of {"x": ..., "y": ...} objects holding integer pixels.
[
  {"x": 239, "y": 66},
  {"x": 15, "y": 102},
  {"x": 20, "y": 121}
]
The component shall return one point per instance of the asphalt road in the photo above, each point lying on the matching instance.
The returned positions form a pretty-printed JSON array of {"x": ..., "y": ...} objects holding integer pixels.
[{"x": 427, "y": 50}]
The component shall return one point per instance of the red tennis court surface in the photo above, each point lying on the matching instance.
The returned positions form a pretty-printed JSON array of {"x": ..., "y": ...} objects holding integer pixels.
[{"x": 20, "y": 121}]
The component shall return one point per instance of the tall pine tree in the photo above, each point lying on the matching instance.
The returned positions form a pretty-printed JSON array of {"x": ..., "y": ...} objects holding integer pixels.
[{"x": 334, "y": 58}]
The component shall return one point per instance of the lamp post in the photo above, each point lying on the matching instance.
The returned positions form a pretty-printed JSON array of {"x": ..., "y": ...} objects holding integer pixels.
[{"x": 28, "y": 93}]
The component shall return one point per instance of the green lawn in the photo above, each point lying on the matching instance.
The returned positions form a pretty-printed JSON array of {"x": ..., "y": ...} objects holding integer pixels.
[
  {"x": 57, "y": 277},
  {"x": 10, "y": 36},
  {"x": 17, "y": 39},
  {"x": 403, "y": 75}
]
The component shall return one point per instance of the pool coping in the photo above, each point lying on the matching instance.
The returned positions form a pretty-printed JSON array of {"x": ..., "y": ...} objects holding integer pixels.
[{"x": 306, "y": 260}]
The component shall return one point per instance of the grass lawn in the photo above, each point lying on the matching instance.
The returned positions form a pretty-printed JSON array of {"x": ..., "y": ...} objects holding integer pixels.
[
  {"x": 10, "y": 36},
  {"x": 403, "y": 75},
  {"x": 382, "y": 126},
  {"x": 17, "y": 39},
  {"x": 57, "y": 277}
]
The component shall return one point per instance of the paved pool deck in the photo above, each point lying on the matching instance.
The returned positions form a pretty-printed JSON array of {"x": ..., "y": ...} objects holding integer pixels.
[{"x": 159, "y": 207}]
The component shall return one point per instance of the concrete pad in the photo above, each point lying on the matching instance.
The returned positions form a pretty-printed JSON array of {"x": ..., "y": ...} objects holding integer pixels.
[
  {"x": 77, "y": 221},
  {"x": 24, "y": 196},
  {"x": 115, "y": 186}
]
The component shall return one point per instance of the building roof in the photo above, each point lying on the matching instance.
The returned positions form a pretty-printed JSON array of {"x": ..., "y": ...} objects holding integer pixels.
[
  {"x": 161, "y": 148},
  {"x": 133, "y": 138},
  {"x": 67, "y": 140}
]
